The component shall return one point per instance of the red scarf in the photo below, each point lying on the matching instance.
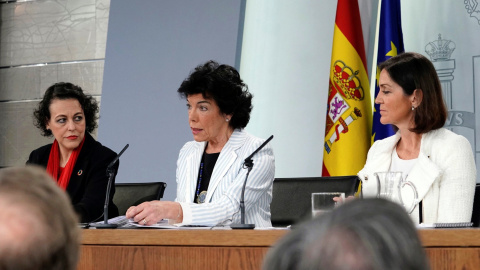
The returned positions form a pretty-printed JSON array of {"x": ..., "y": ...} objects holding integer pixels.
[{"x": 53, "y": 166}]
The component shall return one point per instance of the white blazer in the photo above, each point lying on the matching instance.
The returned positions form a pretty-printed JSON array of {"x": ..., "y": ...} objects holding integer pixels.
[
  {"x": 222, "y": 203},
  {"x": 444, "y": 175}
]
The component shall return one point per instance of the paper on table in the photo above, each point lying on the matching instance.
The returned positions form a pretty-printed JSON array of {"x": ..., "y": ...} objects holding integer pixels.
[
  {"x": 119, "y": 220},
  {"x": 272, "y": 228},
  {"x": 163, "y": 224},
  {"x": 446, "y": 225}
]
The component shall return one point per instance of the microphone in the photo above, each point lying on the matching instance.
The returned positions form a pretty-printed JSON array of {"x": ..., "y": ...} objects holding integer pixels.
[
  {"x": 110, "y": 174},
  {"x": 247, "y": 164},
  {"x": 110, "y": 166}
]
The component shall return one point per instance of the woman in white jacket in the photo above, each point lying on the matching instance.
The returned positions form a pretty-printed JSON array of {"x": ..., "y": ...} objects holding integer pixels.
[
  {"x": 437, "y": 161},
  {"x": 210, "y": 172}
]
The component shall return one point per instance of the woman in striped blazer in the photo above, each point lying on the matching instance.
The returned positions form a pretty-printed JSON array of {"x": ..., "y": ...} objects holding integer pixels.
[{"x": 210, "y": 172}]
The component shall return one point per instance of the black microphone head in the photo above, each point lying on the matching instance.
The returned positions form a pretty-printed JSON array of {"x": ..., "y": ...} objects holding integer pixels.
[{"x": 117, "y": 157}]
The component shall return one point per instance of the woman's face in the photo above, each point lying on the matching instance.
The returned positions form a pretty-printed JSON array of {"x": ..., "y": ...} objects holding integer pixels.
[
  {"x": 67, "y": 123},
  {"x": 205, "y": 119},
  {"x": 395, "y": 106}
]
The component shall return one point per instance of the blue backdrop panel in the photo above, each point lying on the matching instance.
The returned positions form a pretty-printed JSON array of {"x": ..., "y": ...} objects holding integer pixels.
[{"x": 151, "y": 47}]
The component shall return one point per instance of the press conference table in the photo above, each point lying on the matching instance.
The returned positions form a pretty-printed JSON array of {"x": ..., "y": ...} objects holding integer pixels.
[{"x": 238, "y": 249}]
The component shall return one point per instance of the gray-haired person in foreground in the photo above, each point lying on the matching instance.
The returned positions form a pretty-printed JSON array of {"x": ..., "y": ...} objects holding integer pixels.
[
  {"x": 362, "y": 234},
  {"x": 39, "y": 228}
]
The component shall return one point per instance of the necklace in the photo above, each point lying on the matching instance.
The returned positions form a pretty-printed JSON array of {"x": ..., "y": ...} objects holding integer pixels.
[{"x": 200, "y": 195}]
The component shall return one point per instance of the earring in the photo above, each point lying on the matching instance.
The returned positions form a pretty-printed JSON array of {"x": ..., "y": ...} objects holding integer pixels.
[
  {"x": 226, "y": 119},
  {"x": 413, "y": 108}
]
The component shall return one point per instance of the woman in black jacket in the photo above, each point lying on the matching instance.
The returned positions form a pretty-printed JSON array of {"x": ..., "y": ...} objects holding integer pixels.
[{"x": 75, "y": 159}]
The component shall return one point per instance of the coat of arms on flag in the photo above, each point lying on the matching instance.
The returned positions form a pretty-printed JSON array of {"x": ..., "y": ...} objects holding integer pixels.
[{"x": 346, "y": 87}]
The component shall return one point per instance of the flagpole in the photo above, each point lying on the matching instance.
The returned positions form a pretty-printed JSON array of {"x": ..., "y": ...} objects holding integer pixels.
[{"x": 373, "y": 71}]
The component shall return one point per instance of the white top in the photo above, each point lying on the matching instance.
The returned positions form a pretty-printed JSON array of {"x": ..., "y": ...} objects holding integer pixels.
[
  {"x": 404, "y": 166},
  {"x": 401, "y": 165}
]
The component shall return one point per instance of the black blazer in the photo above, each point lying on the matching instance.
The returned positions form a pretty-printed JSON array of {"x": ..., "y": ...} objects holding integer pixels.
[{"x": 89, "y": 180}]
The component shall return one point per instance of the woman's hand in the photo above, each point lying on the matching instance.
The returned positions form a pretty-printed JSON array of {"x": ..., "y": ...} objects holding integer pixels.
[{"x": 149, "y": 213}]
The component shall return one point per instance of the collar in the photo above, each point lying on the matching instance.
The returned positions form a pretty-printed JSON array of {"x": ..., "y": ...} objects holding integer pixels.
[{"x": 225, "y": 160}]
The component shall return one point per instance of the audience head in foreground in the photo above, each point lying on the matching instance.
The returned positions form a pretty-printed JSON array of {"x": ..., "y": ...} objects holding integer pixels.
[
  {"x": 39, "y": 227},
  {"x": 363, "y": 234}
]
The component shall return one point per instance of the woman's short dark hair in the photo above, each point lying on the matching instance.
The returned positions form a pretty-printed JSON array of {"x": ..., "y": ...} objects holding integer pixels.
[
  {"x": 414, "y": 71},
  {"x": 223, "y": 84},
  {"x": 63, "y": 91}
]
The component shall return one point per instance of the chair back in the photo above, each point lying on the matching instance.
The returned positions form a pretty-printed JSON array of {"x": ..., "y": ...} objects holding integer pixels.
[
  {"x": 291, "y": 198},
  {"x": 476, "y": 207},
  {"x": 132, "y": 194}
]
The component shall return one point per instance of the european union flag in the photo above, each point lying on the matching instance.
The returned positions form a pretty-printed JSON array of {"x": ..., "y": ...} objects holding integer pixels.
[{"x": 390, "y": 43}]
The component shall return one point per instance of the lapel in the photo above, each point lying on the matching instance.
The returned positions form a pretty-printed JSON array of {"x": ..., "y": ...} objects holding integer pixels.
[
  {"x": 80, "y": 170},
  {"x": 422, "y": 175},
  {"x": 380, "y": 160},
  {"x": 227, "y": 157},
  {"x": 425, "y": 171},
  {"x": 193, "y": 165}
]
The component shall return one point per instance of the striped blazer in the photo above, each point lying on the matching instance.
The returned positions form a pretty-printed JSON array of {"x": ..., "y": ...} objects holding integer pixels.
[{"x": 222, "y": 203}]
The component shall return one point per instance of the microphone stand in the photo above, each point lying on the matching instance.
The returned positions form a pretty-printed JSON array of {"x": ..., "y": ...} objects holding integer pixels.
[
  {"x": 247, "y": 164},
  {"x": 110, "y": 174}
]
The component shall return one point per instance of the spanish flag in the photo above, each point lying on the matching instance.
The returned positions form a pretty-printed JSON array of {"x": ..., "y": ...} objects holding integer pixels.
[{"x": 349, "y": 110}]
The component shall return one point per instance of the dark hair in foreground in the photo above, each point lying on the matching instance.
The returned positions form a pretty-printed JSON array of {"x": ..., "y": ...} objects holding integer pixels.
[
  {"x": 223, "y": 84},
  {"x": 39, "y": 228},
  {"x": 373, "y": 234},
  {"x": 414, "y": 71},
  {"x": 63, "y": 91}
]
